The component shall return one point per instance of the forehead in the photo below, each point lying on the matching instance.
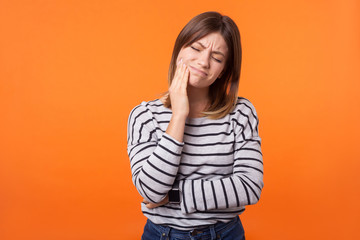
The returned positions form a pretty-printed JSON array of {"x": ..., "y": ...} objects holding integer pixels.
[{"x": 214, "y": 41}]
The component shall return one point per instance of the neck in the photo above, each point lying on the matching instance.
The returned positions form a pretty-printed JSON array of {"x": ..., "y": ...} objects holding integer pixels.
[{"x": 197, "y": 95}]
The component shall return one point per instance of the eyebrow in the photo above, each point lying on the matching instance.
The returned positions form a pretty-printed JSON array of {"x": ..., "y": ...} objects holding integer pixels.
[{"x": 216, "y": 52}]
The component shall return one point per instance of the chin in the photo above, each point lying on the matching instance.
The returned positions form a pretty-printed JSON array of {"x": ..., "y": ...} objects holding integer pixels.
[
  {"x": 195, "y": 83},
  {"x": 198, "y": 82}
]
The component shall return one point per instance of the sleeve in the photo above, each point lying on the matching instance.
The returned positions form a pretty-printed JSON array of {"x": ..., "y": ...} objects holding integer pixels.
[
  {"x": 154, "y": 162},
  {"x": 244, "y": 186}
]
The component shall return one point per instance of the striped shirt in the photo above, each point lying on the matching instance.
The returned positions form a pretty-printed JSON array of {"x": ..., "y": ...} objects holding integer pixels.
[{"x": 219, "y": 165}]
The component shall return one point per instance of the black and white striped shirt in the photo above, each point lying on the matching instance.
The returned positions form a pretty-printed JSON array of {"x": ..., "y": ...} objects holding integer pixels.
[{"x": 219, "y": 164}]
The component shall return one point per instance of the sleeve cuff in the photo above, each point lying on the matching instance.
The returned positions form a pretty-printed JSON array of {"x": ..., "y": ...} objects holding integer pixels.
[
  {"x": 186, "y": 197},
  {"x": 173, "y": 140}
]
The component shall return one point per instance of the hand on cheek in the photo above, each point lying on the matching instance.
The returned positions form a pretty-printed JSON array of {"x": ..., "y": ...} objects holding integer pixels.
[{"x": 178, "y": 94}]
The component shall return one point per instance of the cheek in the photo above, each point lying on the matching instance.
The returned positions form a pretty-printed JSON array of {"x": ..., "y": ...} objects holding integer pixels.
[
  {"x": 220, "y": 70},
  {"x": 180, "y": 56},
  {"x": 186, "y": 55}
]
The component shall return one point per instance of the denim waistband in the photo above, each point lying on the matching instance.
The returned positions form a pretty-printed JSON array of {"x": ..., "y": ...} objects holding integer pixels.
[{"x": 211, "y": 230}]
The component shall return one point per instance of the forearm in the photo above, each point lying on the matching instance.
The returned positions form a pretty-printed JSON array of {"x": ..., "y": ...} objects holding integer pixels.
[
  {"x": 242, "y": 187},
  {"x": 176, "y": 127},
  {"x": 154, "y": 167},
  {"x": 231, "y": 192},
  {"x": 179, "y": 103},
  {"x": 161, "y": 167}
]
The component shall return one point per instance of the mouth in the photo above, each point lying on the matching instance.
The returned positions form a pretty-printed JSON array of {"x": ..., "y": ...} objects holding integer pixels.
[{"x": 198, "y": 71}]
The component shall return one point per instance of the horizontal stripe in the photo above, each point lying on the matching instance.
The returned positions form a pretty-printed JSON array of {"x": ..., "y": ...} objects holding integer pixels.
[
  {"x": 248, "y": 159},
  {"x": 206, "y": 124},
  {"x": 245, "y": 166},
  {"x": 208, "y": 144},
  {"x": 205, "y": 164},
  {"x": 208, "y": 154},
  {"x": 161, "y": 113},
  {"x": 159, "y": 170},
  {"x": 219, "y": 163},
  {"x": 151, "y": 189},
  {"x": 156, "y": 180},
  {"x": 209, "y": 212},
  {"x": 141, "y": 150},
  {"x": 249, "y": 149},
  {"x": 165, "y": 161},
  {"x": 203, "y": 174},
  {"x": 138, "y": 161},
  {"x": 169, "y": 151},
  {"x": 169, "y": 139},
  {"x": 138, "y": 145},
  {"x": 209, "y": 134}
]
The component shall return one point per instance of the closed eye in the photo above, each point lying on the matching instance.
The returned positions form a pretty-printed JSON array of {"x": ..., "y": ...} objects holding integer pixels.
[
  {"x": 218, "y": 60},
  {"x": 198, "y": 50},
  {"x": 195, "y": 49}
]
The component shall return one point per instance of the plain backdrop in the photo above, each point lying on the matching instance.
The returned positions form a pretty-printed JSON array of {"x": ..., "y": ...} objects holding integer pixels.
[{"x": 71, "y": 71}]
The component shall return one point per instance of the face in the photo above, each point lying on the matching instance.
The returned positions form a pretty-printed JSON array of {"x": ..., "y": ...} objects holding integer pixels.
[{"x": 205, "y": 59}]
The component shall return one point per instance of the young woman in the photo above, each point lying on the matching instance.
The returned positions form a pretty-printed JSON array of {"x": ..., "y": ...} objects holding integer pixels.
[{"x": 195, "y": 153}]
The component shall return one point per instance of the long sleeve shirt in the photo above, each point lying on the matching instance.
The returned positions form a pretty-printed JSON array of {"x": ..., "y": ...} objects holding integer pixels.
[{"x": 218, "y": 165}]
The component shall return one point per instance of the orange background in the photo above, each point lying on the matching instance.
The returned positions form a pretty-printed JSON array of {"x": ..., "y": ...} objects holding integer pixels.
[{"x": 71, "y": 71}]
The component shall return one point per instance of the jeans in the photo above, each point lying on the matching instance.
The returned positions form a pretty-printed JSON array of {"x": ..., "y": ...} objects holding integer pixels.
[{"x": 232, "y": 230}]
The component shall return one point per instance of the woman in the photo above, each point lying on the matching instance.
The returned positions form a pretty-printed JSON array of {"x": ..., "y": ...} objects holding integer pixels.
[{"x": 195, "y": 153}]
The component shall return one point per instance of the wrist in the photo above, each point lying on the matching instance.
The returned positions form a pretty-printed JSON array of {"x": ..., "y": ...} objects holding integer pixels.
[
  {"x": 175, "y": 194},
  {"x": 179, "y": 117},
  {"x": 176, "y": 127}
]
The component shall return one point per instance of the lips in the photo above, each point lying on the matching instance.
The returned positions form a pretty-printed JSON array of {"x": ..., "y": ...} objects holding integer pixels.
[{"x": 198, "y": 71}]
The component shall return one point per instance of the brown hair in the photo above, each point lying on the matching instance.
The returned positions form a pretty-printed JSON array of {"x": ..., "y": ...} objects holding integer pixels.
[{"x": 223, "y": 92}]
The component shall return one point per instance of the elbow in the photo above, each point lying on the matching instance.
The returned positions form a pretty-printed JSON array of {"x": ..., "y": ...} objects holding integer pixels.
[
  {"x": 255, "y": 196},
  {"x": 152, "y": 198},
  {"x": 148, "y": 192},
  {"x": 251, "y": 189}
]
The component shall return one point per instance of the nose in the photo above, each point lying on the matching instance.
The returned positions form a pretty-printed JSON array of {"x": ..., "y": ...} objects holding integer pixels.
[{"x": 204, "y": 60}]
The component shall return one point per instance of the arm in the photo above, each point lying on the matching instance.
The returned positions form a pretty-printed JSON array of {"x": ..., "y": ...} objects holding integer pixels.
[
  {"x": 154, "y": 164},
  {"x": 244, "y": 186}
]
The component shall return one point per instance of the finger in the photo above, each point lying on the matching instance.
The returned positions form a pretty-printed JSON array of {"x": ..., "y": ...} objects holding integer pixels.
[
  {"x": 185, "y": 79},
  {"x": 178, "y": 68},
  {"x": 178, "y": 62},
  {"x": 174, "y": 82},
  {"x": 178, "y": 76},
  {"x": 182, "y": 73},
  {"x": 186, "y": 75},
  {"x": 150, "y": 205}
]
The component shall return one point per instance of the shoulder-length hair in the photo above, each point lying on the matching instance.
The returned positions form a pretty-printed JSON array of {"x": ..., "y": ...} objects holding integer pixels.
[{"x": 223, "y": 92}]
